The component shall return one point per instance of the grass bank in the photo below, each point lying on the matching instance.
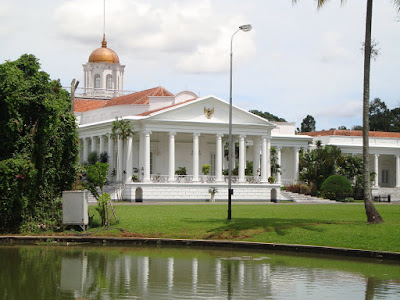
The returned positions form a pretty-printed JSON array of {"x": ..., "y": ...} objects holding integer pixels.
[{"x": 323, "y": 225}]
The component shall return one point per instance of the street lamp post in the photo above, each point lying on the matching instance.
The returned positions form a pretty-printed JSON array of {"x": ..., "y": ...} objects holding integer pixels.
[{"x": 244, "y": 28}]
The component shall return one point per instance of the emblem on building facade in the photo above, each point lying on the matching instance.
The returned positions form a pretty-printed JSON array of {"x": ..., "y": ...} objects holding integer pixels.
[{"x": 208, "y": 112}]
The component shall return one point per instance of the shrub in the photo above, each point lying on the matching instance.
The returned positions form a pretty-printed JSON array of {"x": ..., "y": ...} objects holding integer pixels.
[
  {"x": 93, "y": 158},
  {"x": 103, "y": 157},
  {"x": 206, "y": 169},
  {"x": 271, "y": 179},
  {"x": 336, "y": 187},
  {"x": 181, "y": 171}
]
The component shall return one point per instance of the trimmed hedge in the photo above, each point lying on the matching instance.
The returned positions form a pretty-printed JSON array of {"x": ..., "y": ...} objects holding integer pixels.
[{"x": 336, "y": 187}]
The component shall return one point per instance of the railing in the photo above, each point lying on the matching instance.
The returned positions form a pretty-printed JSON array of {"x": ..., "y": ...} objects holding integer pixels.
[
  {"x": 253, "y": 179},
  {"x": 207, "y": 179},
  {"x": 159, "y": 178},
  {"x": 202, "y": 179}
]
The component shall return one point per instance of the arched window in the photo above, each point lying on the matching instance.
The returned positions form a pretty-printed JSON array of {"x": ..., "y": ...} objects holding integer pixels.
[
  {"x": 109, "y": 84},
  {"x": 97, "y": 81}
]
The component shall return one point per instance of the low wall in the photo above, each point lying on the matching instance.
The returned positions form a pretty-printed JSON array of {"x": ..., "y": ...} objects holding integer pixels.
[{"x": 199, "y": 192}]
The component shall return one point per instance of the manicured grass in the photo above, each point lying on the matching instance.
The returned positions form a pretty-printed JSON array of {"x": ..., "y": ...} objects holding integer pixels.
[{"x": 342, "y": 225}]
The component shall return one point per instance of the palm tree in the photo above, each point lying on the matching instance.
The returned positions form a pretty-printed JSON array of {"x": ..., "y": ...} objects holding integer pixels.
[{"x": 372, "y": 214}]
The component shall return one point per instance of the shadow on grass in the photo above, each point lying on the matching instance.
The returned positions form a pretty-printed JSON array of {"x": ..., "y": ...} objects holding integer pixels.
[{"x": 248, "y": 227}]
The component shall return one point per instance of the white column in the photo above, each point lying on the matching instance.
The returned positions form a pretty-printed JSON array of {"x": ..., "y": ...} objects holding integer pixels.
[
  {"x": 196, "y": 157},
  {"x": 93, "y": 145},
  {"x": 146, "y": 176},
  {"x": 256, "y": 156},
  {"x": 376, "y": 170},
  {"x": 171, "y": 161},
  {"x": 296, "y": 164},
  {"x": 264, "y": 178},
  {"x": 397, "y": 171},
  {"x": 141, "y": 155},
  {"x": 101, "y": 146},
  {"x": 120, "y": 159},
  {"x": 218, "y": 158},
  {"x": 268, "y": 157},
  {"x": 279, "y": 160},
  {"x": 129, "y": 166},
  {"x": 85, "y": 148},
  {"x": 110, "y": 152},
  {"x": 242, "y": 149}
]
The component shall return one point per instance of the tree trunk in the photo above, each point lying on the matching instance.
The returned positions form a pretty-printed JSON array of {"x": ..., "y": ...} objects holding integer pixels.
[{"x": 372, "y": 214}]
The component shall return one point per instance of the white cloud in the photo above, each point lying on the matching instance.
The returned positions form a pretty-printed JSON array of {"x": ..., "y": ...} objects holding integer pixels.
[
  {"x": 192, "y": 34},
  {"x": 333, "y": 49},
  {"x": 341, "y": 109}
]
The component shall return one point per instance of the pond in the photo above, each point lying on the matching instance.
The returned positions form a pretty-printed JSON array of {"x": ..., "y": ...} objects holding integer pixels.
[{"x": 108, "y": 272}]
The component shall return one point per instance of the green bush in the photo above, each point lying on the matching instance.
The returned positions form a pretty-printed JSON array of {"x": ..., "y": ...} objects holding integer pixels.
[
  {"x": 181, "y": 171},
  {"x": 206, "y": 169},
  {"x": 336, "y": 187}
]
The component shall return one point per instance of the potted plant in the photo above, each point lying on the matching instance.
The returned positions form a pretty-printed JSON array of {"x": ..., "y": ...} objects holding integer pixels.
[
  {"x": 271, "y": 179},
  {"x": 212, "y": 191},
  {"x": 206, "y": 169}
]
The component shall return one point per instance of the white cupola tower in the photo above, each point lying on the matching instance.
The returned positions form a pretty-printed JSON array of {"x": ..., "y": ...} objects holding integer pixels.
[{"x": 103, "y": 75}]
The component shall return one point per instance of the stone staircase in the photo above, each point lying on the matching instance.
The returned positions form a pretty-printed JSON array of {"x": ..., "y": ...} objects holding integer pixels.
[
  {"x": 300, "y": 198},
  {"x": 115, "y": 190}
]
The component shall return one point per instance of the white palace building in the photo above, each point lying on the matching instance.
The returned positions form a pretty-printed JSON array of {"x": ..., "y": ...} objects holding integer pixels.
[{"x": 184, "y": 130}]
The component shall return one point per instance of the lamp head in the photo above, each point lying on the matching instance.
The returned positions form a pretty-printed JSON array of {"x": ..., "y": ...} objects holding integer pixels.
[{"x": 245, "y": 28}]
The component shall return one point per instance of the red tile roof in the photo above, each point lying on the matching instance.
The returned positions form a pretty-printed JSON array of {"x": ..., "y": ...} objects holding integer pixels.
[
  {"x": 142, "y": 97},
  {"x": 146, "y": 113},
  {"x": 352, "y": 133},
  {"x": 139, "y": 97},
  {"x": 82, "y": 105}
]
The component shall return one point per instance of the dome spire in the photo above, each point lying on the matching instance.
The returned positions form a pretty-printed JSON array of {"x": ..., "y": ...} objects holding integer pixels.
[{"x": 104, "y": 42}]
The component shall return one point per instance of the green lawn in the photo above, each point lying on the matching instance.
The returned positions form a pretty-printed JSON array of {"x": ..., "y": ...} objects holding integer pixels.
[{"x": 342, "y": 225}]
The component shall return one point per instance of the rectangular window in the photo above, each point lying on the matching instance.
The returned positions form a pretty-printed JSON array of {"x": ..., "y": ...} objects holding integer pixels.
[
  {"x": 385, "y": 176},
  {"x": 151, "y": 163},
  {"x": 212, "y": 172}
]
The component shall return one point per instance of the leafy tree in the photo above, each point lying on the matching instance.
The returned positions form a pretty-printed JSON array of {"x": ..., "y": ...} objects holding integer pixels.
[
  {"x": 308, "y": 124},
  {"x": 267, "y": 115},
  {"x": 36, "y": 124},
  {"x": 380, "y": 117},
  {"x": 318, "y": 164},
  {"x": 121, "y": 129},
  {"x": 357, "y": 127},
  {"x": 372, "y": 214},
  {"x": 395, "y": 122},
  {"x": 342, "y": 128},
  {"x": 96, "y": 176}
]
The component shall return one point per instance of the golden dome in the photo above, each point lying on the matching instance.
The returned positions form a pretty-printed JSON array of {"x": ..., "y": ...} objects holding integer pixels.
[{"x": 104, "y": 54}]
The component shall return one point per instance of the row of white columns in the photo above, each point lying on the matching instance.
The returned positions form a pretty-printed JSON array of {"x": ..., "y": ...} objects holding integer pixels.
[
  {"x": 125, "y": 156},
  {"x": 265, "y": 157}
]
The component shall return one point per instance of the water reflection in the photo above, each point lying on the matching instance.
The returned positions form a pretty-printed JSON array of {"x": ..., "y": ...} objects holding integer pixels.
[{"x": 35, "y": 272}]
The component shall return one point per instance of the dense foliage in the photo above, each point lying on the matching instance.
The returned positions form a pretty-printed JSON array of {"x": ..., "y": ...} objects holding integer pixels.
[
  {"x": 38, "y": 139},
  {"x": 336, "y": 187},
  {"x": 308, "y": 124},
  {"x": 267, "y": 115},
  {"x": 316, "y": 165}
]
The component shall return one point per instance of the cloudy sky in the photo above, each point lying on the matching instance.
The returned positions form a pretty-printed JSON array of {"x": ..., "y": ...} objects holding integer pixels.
[{"x": 296, "y": 60}]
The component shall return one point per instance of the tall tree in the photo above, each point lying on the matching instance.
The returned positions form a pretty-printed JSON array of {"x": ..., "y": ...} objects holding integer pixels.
[
  {"x": 38, "y": 139},
  {"x": 380, "y": 117},
  {"x": 372, "y": 214},
  {"x": 308, "y": 124}
]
